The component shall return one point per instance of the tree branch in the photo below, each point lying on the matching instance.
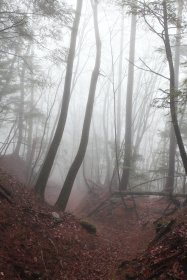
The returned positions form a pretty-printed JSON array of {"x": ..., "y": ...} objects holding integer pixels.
[{"x": 149, "y": 69}]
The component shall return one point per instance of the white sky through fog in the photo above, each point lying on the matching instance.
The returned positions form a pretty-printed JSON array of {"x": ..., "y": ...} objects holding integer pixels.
[{"x": 109, "y": 25}]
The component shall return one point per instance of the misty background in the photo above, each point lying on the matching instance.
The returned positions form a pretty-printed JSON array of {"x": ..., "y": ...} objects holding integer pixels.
[{"x": 35, "y": 39}]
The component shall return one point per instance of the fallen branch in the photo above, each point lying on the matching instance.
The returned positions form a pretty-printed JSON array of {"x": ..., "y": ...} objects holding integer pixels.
[
  {"x": 146, "y": 193},
  {"x": 153, "y": 180},
  {"x": 98, "y": 207},
  {"x": 4, "y": 193}
]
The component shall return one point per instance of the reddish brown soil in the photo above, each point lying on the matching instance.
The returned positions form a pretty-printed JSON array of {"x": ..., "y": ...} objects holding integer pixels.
[
  {"x": 146, "y": 254},
  {"x": 130, "y": 229},
  {"x": 35, "y": 245},
  {"x": 166, "y": 256}
]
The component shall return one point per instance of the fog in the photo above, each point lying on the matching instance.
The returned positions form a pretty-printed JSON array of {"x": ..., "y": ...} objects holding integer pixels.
[{"x": 32, "y": 108}]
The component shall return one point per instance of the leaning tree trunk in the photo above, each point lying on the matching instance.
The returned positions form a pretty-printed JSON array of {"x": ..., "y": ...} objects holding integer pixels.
[
  {"x": 172, "y": 147},
  {"x": 128, "y": 128},
  {"x": 70, "y": 178},
  {"x": 173, "y": 90},
  {"x": 50, "y": 157}
]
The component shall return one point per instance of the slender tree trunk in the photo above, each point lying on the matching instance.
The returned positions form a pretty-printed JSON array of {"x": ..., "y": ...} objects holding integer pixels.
[
  {"x": 171, "y": 162},
  {"x": 118, "y": 133},
  {"x": 128, "y": 127},
  {"x": 69, "y": 181},
  {"x": 29, "y": 155},
  {"x": 105, "y": 133},
  {"x": 173, "y": 89},
  {"x": 50, "y": 157},
  {"x": 173, "y": 144},
  {"x": 117, "y": 109},
  {"x": 96, "y": 156},
  {"x": 21, "y": 111}
]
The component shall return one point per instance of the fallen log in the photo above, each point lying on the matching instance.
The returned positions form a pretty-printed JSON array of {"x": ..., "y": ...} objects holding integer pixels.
[{"x": 146, "y": 193}]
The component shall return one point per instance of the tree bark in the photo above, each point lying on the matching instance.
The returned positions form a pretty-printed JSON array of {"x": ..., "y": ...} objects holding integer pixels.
[
  {"x": 106, "y": 138},
  {"x": 128, "y": 128},
  {"x": 29, "y": 155},
  {"x": 118, "y": 130},
  {"x": 50, "y": 157},
  {"x": 173, "y": 89},
  {"x": 69, "y": 181},
  {"x": 172, "y": 147},
  {"x": 21, "y": 111}
]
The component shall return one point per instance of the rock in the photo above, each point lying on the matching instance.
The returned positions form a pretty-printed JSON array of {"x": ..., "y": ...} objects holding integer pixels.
[{"x": 55, "y": 215}]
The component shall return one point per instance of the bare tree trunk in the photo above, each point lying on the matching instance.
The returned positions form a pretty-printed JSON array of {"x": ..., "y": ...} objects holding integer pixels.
[
  {"x": 173, "y": 144},
  {"x": 29, "y": 155},
  {"x": 50, "y": 157},
  {"x": 118, "y": 133},
  {"x": 105, "y": 133},
  {"x": 21, "y": 111},
  {"x": 128, "y": 127},
  {"x": 117, "y": 109},
  {"x": 96, "y": 156},
  {"x": 69, "y": 181},
  {"x": 173, "y": 89}
]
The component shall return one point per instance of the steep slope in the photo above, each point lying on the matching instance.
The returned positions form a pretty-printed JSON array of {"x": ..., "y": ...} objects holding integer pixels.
[
  {"x": 166, "y": 256},
  {"x": 37, "y": 242}
]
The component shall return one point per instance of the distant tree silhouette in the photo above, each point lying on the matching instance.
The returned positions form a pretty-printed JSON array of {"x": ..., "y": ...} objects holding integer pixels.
[{"x": 128, "y": 123}]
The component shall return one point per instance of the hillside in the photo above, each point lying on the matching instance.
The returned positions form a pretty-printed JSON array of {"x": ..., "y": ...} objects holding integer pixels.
[
  {"x": 36, "y": 244},
  {"x": 166, "y": 256},
  {"x": 39, "y": 242}
]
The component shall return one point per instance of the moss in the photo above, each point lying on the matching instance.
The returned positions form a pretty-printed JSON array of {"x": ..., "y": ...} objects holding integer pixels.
[{"x": 89, "y": 227}]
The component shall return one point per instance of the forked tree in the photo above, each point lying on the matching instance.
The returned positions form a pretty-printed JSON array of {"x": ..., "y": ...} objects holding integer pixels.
[
  {"x": 45, "y": 170},
  {"x": 70, "y": 178}
]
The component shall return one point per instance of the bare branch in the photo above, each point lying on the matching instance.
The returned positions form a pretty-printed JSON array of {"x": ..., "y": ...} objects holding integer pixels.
[{"x": 150, "y": 70}]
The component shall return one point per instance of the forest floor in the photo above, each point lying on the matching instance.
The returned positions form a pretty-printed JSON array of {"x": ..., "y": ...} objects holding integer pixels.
[{"x": 39, "y": 242}]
